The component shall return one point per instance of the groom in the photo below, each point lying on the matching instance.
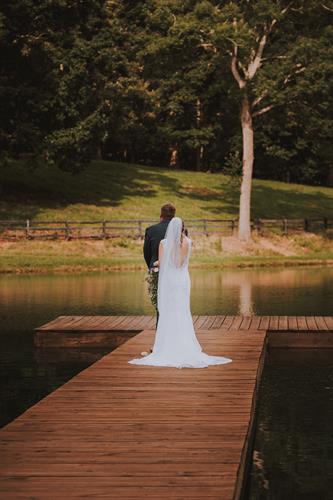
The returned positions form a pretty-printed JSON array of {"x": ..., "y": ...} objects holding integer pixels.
[{"x": 153, "y": 236}]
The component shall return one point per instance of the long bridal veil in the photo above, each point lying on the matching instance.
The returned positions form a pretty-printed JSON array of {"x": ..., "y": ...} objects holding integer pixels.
[{"x": 175, "y": 342}]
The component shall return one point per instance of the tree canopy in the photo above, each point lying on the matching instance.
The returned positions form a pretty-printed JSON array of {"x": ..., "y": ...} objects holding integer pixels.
[{"x": 162, "y": 82}]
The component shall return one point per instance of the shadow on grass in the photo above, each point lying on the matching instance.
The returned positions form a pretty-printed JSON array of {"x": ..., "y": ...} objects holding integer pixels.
[
  {"x": 103, "y": 184},
  {"x": 273, "y": 202},
  {"x": 25, "y": 193}
]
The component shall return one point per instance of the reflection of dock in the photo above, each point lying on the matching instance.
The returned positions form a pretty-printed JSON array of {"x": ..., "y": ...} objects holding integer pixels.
[
  {"x": 125, "y": 431},
  {"x": 283, "y": 331}
]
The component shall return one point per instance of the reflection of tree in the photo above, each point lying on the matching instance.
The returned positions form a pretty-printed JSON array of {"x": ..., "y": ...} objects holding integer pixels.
[
  {"x": 261, "y": 291},
  {"x": 245, "y": 298},
  {"x": 294, "y": 434}
]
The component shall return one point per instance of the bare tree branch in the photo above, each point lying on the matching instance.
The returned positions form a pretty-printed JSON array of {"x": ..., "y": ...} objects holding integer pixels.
[
  {"x": 241, "y": 82},
  {"x": 285, "y": 10},
  {"x": 327, "y": 8},
  {"x": 264, "y": 110},
  {"x": 259, "y": 99},
  {"x": 298, "y": 69},
  {"x": 208, "y": 46},
  {"x": 254, "y": 65},
  {"x": 257, "y": 59}
]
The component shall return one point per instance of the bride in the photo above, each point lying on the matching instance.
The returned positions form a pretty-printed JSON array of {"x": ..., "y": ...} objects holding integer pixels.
[{"x": 176, "y": 344}]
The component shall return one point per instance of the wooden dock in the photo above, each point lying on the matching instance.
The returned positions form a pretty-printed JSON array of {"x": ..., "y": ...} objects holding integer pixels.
[
  {"x": 121, "y": 431},
  {"x": 71, "y": 331}
]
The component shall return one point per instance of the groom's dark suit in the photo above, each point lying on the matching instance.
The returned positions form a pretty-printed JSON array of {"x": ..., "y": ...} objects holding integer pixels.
[{"x": 153, "y": 236}]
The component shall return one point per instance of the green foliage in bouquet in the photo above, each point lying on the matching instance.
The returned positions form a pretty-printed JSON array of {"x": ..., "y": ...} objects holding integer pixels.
[{"x": 152, "y": 280}]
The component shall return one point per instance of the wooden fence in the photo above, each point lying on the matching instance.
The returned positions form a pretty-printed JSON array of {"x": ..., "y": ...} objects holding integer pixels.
[{"x": 106, "y": 229}]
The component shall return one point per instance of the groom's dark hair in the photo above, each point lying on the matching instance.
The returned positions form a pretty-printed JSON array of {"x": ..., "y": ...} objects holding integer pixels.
[{"x": 168, "y": 211}]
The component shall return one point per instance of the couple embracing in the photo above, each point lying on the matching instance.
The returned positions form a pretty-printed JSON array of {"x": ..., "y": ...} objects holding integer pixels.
[{"x": 176, "y": 345}]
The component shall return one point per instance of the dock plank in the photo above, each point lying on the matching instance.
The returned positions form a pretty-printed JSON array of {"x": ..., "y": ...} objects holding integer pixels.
[
  {"x": 283, "y": 323},
  {"x": 301, "y": 323},
  {"x": 320, "y": 322},
  {"x": 104, "y": 330},
  {"x": 227, "y": 322},
  {"x": 143, "y": 432},
  {"x": 329, "y": 322},
  {"x": 292, "y": 323}
]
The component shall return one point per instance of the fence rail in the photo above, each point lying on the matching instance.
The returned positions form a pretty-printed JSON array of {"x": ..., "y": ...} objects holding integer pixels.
[{"x": 135, "y": 228}]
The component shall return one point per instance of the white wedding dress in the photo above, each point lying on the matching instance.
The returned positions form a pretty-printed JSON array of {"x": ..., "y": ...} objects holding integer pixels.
[{"x": 176, "y": 344}]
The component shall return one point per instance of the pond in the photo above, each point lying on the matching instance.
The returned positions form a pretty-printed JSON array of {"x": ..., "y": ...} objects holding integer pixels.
[
  {"x": 293, "y": 449},
  {"x": 27, "y": 374}
]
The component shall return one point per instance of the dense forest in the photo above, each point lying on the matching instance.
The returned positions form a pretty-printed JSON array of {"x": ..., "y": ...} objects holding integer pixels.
[{"x": 193, "y": 84}]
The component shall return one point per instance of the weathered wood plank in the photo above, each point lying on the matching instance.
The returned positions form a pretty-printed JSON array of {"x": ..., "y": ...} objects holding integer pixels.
[
  {"x": 264, "y": 323},
  {"x": 255, "y": 322},
  {"x": 301, "y": 323},
  {"x": 218, "y": 322},
  {"x": 227, "y": 322},
  {"x": 273, "y": 323},
  {"x": 143, "y": 432},
  {"x": 208, "y": 323},
  {"x": 283, "y": 323},
  {"x": 292, "y": 323},
  {"x": 237, "y": 321},
  {"x": 329, "y": 322},
  {"x": 245, "y": 324},
  {"x": 311, "y": 323},
  {"x": 199, "y": 324},
  {"x": 320, "y": 322}
]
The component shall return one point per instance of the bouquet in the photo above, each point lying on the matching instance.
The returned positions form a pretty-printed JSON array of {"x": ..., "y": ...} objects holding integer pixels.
[{"x": 152, "y": 280}]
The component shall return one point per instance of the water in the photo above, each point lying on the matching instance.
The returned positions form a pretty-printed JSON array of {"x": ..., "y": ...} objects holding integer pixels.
[{"x": 293, "y": 450}]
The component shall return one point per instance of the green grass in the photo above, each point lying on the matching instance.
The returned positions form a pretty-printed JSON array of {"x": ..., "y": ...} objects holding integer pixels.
[
  {"x": 82, "y": 256},
  {"x": 119, "y": 191},
  {"x": 25, "y": 263},
  {"x": 107, "y": 190}
]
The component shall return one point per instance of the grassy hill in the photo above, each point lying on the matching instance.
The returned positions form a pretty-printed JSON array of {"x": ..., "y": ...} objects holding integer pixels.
[{"x": 109, "y": 190}]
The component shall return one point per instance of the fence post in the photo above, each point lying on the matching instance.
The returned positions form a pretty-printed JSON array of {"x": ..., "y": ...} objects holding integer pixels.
[
  {"x": 103, "y": 229},
  {"x": 259, "y": 226},
  {"x": 285, "y": 226},
  {"x": 140, "y": 228},
  {"x": 306, "y": 225},
  {"x": 27, "y": 234},
  {"x": 205, "y": 227},
  {"x": 325, "y": 224},
  {"x": 68, "y": 236},
  {"x": 233, "y": 226}
]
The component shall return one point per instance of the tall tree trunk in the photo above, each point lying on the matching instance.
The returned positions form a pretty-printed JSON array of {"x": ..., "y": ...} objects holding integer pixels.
[
  {"x": 244, "y": 230},
  {"x": 99, "y": 153},
  {"x": 199, "y": 157},
  {"x": 330, "y": 176},
  {"x": 199, "y": 149},
  {"x": 173, "y": 162}
]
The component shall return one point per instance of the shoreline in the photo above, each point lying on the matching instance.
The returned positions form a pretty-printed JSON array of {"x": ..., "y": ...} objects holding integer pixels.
[
  {"x": 240, "y": 263},
  {"x": 125, "y": 254}
]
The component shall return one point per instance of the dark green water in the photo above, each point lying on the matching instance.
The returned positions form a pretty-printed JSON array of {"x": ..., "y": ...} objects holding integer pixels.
[
  {"x": 293, "y": 451},
  {"x": 27, "y": 374}
]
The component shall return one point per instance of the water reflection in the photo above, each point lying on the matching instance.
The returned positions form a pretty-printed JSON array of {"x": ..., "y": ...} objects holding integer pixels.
[
  {"x": 258, "y": 291},
  {"x": 293, "y": 457}
]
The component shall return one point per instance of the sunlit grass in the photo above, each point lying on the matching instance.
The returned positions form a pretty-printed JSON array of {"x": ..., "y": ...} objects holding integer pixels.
[
  {"x": 108, "y": 190},
  {"x": 121, "y": 253}
]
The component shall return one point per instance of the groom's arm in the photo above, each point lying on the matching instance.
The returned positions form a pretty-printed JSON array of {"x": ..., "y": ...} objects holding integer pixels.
[{"x": 147, "y": 249}]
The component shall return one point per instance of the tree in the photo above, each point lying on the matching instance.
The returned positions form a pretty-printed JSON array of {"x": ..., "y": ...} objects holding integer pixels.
[
  {"x": 268, "y": 56},
  {"x": 57, "y": 80}
]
